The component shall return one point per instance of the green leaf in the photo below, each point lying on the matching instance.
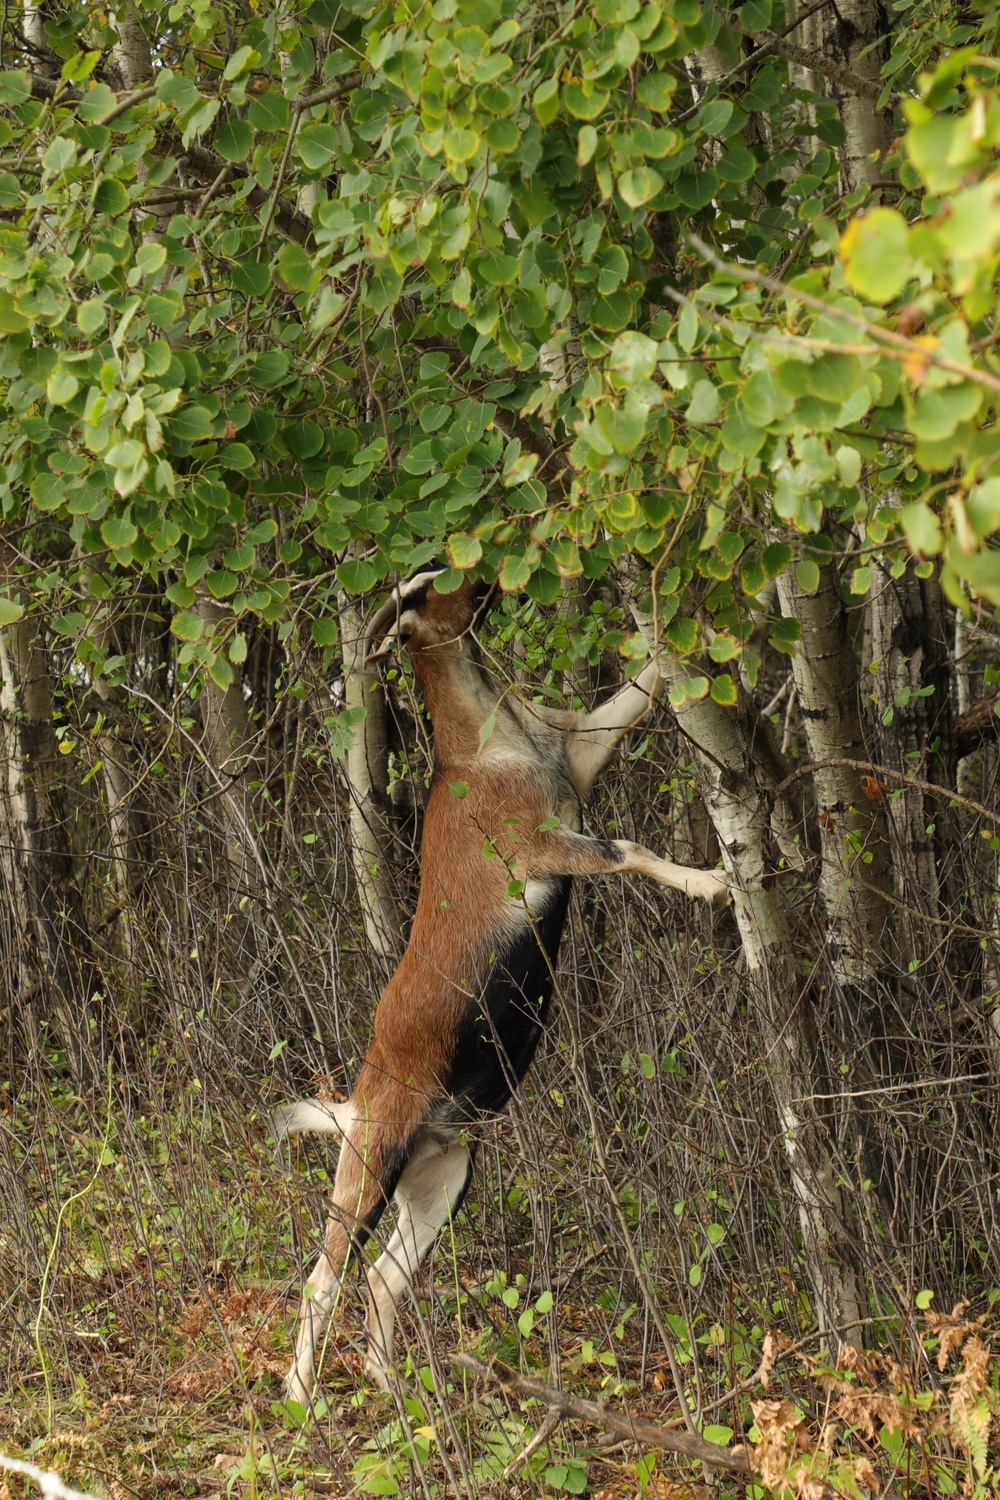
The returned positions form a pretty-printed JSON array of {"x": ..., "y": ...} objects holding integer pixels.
[
  {"x": 270, "y": 368},
  {"x": 639, "y": 185},
  {"x": 724, "y": 648},
  {"x": 497, "y": 269},
  {"x": 514, "y": 573},
  {"x": 15, "y": 88},
  {"x": 47, "y": 491},
  {"x": 118, "y": 533},
  {"x": 545, "y": 101},
  {"x": 97, "y": 101},
  {"x": 464, "y": 551},
  {"x": 316, "y": 146},
  {"x": 222, "y": 583},
  {"x": 633, "y": 357},
  {"x": 61, "y": 387},
  {"x": 110, "y": 196},
  {"x": 876, "y": 255},
  {"x": 582, "y": 103},
  {"x": 357, "y": 575},
  {"x": 717, "y": 1432},
  {"x": 10, "y": 610},
  {"x": 221, "y": 672},
  {"x": 775, "y": 558},
  {"x": 190, "y": 423},
  {"x": 683, "y": 635},
  {"x": 325, "y": 632},
  {"x": 91, "y": 315},
  {"x": 187, "y": 626},
  {"x": 59, "y": 155},
  {"x": 150, "y": 258},
  {"x": 237, "y": 456},
  {"x": 296, "y": 269},
  {"x": 269, "y": 111},
  {"x": 460, "y": 144},
  {"x": 656, "y": 91},
  {"x": 924, "y": 1299},
  {"x": 503, "y": 136},
  {"x": 704, "y": 405},
  {"x": 241, "y": 61},
  {"x": 124, "y": 455},
  {"x": 234, "y": 140},
  {"x": 807, "y": 575}
]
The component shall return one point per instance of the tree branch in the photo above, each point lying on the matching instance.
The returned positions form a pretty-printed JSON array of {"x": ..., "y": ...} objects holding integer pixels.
[
  {"x": 877, "y": 772},
  {"x": 639, "y": 1431},
  {"x": 817, "y": 62},
  {"x": 886, "y": 336},
  {"x": 978, "y": 726},
  {"x": 205, "y": 165}
]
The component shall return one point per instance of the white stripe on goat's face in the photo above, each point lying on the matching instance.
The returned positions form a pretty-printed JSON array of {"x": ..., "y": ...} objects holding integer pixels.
[{"x": 400, "y": 617}]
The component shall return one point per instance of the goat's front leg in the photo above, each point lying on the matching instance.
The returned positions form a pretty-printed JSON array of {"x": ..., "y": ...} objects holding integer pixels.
[
  {"x": 559, "y": 851},
  {"x": 591, "y": 742}
]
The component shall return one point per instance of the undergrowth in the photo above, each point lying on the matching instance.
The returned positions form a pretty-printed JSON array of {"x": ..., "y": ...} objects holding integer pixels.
[{"x": 150, "y": 1269}]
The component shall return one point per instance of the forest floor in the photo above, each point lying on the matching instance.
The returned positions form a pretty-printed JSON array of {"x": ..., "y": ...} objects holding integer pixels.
[{"x": 150, "y": 1273}]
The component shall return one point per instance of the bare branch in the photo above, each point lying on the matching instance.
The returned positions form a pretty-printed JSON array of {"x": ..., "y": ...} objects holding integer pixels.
[{"x": 646, "y": 1433}]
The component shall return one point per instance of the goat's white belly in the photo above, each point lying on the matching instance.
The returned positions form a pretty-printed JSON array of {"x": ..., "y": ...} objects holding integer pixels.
[{"x": 533, "y": 901}]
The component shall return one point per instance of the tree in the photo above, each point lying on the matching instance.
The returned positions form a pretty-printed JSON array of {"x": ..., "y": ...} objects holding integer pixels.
[{"x": 691, "y": 299}]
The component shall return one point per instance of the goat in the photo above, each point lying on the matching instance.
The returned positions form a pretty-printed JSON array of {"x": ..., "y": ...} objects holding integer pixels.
[{"x": 460, "y": 1019}]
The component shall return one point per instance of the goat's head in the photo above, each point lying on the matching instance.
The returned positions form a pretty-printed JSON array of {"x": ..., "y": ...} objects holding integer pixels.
[{"x": 421, "y": 619}]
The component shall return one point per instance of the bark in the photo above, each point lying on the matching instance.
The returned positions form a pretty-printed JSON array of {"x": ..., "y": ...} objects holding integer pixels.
[
  {"x": 43, "y": 59},
  {"x": 229, "y": 744},
  {"x": 853, "y": 878},
  {"x": 131, "y": 54},
  {"x": 739, "y": 800},
  {"x": 368, "y": 786},
  {"x": 913, "y": 729},
  {"x": 56, "y": 966},
  {"x": 848, "y": 43}
]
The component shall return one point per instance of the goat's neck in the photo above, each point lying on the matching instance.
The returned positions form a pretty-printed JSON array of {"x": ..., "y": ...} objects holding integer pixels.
[{"x": 460, "y": 695}]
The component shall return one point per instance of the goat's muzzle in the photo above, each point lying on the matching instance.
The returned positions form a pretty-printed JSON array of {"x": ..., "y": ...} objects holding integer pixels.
[{"x": 381, "y": 633}]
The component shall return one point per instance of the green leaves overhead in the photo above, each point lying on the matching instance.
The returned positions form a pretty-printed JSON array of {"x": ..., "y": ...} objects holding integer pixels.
[{"x": 497, "y": 286}]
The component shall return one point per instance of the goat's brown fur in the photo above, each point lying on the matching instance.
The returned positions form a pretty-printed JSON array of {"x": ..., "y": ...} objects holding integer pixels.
[{"x": 458, "y": 1022}]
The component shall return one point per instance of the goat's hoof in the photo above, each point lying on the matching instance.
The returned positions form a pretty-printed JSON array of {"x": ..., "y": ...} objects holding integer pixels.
[{"x": 711, "y": 885}]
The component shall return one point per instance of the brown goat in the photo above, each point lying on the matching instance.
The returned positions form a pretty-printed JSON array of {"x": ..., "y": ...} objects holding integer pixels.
[{"x": 458, "y": 1023}]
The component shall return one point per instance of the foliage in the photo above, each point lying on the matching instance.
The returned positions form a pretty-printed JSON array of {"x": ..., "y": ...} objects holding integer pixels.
[{"x": 425, "y": 306}]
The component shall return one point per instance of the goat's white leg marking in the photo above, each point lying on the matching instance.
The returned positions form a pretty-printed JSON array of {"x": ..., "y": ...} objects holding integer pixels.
[
  {"x": 427, "y": 1195},
  {"x": 562, "y": 852},
  {"x": 318, "y": 1302},
  {"x": 590, "y": 744}
]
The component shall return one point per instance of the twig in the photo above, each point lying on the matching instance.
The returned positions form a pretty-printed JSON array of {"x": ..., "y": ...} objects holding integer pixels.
[
  {"x": 926, "y": 354},
  {"x": 548, "y": 1427},
  {"x": 647, "y": 1433},
  {"x": 718, "y": 84},
  {"x": 127, "y": 102},
  {"x": 215, "y": 189},
  {"x": 903, "y": 777},
  {"x": 818, "y": 62}
]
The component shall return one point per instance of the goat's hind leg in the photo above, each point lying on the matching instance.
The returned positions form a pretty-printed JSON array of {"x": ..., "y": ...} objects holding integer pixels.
[
  {"x": 428, "y": 1194},
  {"x": 319, "y": 1299}
]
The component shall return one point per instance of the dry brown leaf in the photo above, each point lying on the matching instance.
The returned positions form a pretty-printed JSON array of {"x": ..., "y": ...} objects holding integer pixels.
[
  {"x": 916, "y": 361},
  {"x": 775, "y": 1344}
]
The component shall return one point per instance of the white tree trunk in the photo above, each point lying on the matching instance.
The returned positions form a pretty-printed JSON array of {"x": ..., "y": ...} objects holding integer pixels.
[
  {"x": 852, "y": 834},
  {"x": 739, "y": 802},
  {"x": 368, "y": 785}
]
